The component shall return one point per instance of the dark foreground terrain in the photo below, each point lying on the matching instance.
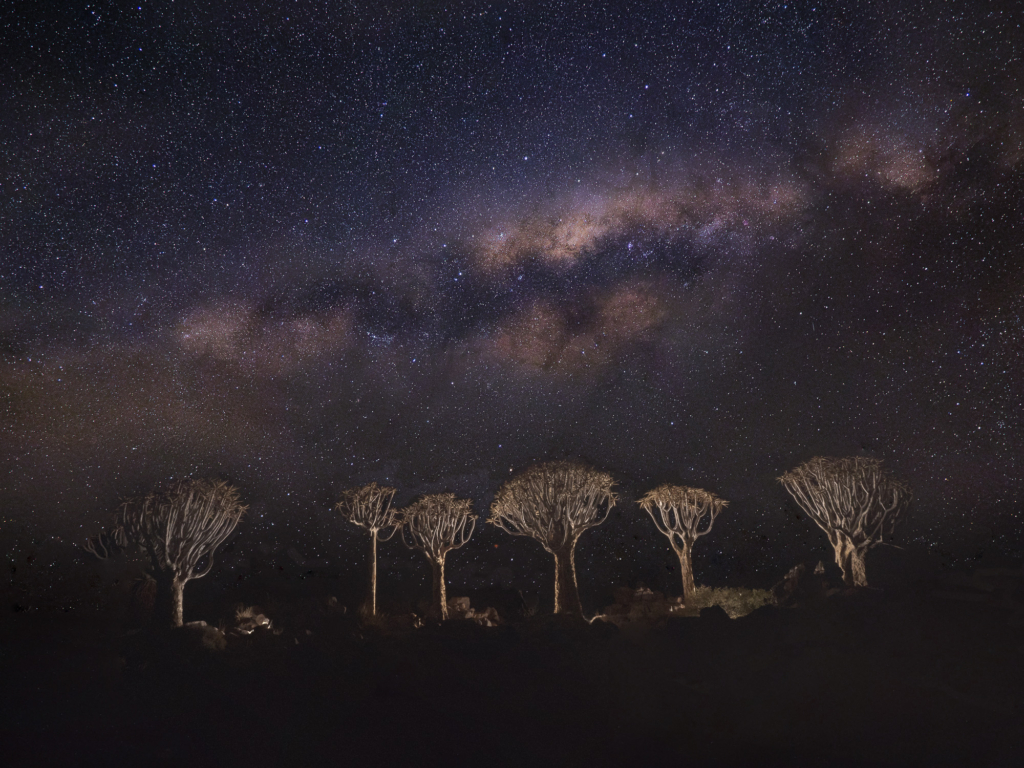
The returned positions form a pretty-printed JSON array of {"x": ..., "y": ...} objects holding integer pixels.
[{"x": 932, "y": 674}]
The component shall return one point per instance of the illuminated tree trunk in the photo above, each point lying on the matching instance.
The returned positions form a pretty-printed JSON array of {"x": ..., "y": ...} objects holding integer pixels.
[
  {"x": 851, "y": 560},
  {"x": 179, "y": 528},
  {"x": 369, "y": 507},
  {"x": 168, "y": 607},
  {"x": 177, "y": 602},
  {"x": 684, "y": 552},
  {"x": 440, "y": 608},
  {"x": 371, "y": 601},
  {"x": 567, "y": 596},
  {"x": 436, "y": 524},
  {"x": 854, "y": 501}
]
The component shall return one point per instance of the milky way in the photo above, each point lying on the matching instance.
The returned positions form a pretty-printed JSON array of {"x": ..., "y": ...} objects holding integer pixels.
[{"x": 304, "y": 245}]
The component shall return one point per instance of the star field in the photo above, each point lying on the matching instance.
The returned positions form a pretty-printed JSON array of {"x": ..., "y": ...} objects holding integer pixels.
[{"x": 307, "y": 245}]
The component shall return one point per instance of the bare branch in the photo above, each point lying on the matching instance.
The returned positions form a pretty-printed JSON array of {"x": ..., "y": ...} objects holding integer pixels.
[
  {"x": 678, "y": 512},
  {"x": 554, "y": 503},
  {"x": 180, "y": 528},
  {"x": 369, "y": 507},
  {"x": 437, "y": 524},
  {"x": 105, "y": 545},
  {"x": 853, "y": 500}
]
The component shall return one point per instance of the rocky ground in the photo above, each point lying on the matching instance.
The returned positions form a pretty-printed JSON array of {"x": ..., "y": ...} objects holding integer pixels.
[{"x": 930, "y": 674}]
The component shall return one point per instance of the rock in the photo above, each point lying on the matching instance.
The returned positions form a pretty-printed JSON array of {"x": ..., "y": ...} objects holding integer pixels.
[
  {"x": 210, "y": 638},
  {"x": 487, "y": 617},
  {"x": 460, "y": 608},
  {"x": 247, "y": 620},
  {"x": 802, "y": 584},
  {"x": 459, "y": 604},
  {"x": 789, "y": 584}
]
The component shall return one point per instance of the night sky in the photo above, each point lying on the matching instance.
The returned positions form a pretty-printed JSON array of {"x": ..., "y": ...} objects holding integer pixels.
[{"x": 306, "y": 245}]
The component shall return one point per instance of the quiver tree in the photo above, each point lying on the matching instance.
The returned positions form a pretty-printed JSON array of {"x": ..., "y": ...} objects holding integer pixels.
[
  {"x": 435, "y": 525},
  {"x": 178, "y": 529},
  {"x": 555, "y": 503},
  {"x": 369, "y": 507},
  {"x": 854, "y": 501},
  {"x": 679, "y": 512}
]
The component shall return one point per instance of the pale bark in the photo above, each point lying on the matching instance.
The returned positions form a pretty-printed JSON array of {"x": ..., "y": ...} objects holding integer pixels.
[
  {"x": 177, "y": 602},
  {"x": 851, "y": 560},
  {"x": 440, "y": 595},
  {"x": 854, "y": 501},
  {"x": 685, "y": 554},
  {"x": 567, "y": 596},
  {"x": 555, "y": 503},
  {"x": 369, "y": 507},
  {"x": 178, "y": 528},
  {"x": 372, "y": 599},
  {"x": 436, "y": 524},
  {"x": 679, "y": 511},
  {"x": 168, "y": 604}
]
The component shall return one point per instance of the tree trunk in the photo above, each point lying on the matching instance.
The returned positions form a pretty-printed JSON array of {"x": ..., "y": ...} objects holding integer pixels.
[
  {"x": 851, "y": 560},
  {"x": 168, "y": 602},
  {"x": 686, "y": 570},
  {"x": 178, "y": 602},
  {"x": 567, "y": 596},
  {"x": 371, "y": 601},
  {"x": 440, "y": 607}
]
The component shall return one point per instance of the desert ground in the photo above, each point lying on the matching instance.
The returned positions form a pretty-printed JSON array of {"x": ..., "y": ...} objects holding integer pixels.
[{"x": 930, "y": 672}]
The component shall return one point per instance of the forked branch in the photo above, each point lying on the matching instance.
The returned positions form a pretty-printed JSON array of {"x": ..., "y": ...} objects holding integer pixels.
[
  {"x": 678, "y": 511},
  {"x": 555, "y": 503},
  {"x": 369, "y": 507},
  {"x": 435, "y": 525},
  {"x": 179, "y": 528},
  {"x": 854, "y": 501}
]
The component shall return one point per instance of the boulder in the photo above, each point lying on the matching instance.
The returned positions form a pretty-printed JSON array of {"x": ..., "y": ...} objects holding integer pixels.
[
  {"x": 803, "y": 583},
  {"x": 458, "y": 605},
  {"x": 487, "y": 617},
  {"x": 460, "y": 608},
  {"x": 210, "y": 638}
]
